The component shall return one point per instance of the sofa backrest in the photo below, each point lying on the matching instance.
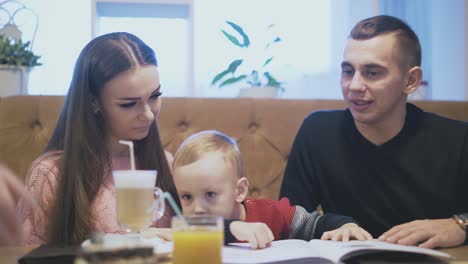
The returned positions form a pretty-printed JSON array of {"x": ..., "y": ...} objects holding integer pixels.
[{"x": 264, "y": 128}]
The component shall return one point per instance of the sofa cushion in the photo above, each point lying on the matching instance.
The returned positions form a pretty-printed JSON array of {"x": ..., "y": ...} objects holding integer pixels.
[{"x": 264, "y": 128}]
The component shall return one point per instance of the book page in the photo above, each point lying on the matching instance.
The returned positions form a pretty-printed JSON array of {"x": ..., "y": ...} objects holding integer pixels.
[
  {"x": 339, "y": 251},
  {"x": 280, "y": 251}
]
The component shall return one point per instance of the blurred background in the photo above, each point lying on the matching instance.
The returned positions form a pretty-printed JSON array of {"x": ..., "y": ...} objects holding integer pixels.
[{"x": 191, "y": 49}]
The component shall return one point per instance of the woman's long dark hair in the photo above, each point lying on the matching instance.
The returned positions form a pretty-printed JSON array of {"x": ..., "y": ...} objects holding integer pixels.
[{"x": 81, "y": 135}]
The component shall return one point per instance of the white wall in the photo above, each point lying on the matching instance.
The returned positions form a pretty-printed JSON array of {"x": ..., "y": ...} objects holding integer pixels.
[
  {"x": 64, "y": 28},
  {"x": 68, "y": 25},
  {"x": 449, "y": 58}
]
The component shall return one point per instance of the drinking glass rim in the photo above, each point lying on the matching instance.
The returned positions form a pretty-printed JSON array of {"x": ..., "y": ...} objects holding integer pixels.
[
  {"x": 134, "y": 178},
  {"x": 201, "y": 220}
]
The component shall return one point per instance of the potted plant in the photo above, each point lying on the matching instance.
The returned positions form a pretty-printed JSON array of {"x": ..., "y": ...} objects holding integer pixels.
[
  {"x": 16, "y": 61},
  {"x": 257, "y": 80}
]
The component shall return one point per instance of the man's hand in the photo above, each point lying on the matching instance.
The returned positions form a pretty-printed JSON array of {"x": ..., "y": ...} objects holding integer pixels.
[
  {"x": 426, "y": 233},
  {"x": 258, "y": 235},
  {"x": 347, "y": 232}
]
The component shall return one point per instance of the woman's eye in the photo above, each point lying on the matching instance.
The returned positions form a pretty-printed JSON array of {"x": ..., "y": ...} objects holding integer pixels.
[
  {"x": 156, "y": 95},
  {"x": 127, "y": 105},
  {"x": 211, "y": 194},
  {"x": 186, "y": 197}
]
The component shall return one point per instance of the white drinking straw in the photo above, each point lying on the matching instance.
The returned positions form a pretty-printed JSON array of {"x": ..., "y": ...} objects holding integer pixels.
[
  {"x": 132, "y": 155},
  {"x": 174, "y": 206}
]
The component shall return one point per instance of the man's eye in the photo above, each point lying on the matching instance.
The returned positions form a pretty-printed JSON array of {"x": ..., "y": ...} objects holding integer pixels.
[
  {"x": 347, "y": 72},
  {"x": 186, "y": 197},
  {"x": 372, "y": 73},
  {"x": 211, "y": 194},
  {"x": 127, "y": 105},
  {"x": 156, "y": 95}
]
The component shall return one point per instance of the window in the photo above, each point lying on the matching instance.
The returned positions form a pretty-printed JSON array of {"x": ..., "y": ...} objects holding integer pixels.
[
  {"x": 164, "y": 27},
  {"x": 60, "y": 37},
  {"x": 304, "y": 53}
]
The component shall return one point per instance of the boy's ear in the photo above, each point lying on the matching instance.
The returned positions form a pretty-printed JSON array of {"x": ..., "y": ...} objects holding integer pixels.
[{"x": 242, "y": 189}]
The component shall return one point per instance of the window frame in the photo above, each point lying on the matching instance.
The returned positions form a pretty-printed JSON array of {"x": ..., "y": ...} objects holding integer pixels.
[{"x": 190, "y": 45}]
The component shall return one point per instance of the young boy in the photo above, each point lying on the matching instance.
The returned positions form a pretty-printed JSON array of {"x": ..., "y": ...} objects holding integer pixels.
[{"x": 207, "y": 172}]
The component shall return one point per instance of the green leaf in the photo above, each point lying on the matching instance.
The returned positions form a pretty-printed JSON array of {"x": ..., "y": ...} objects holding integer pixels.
[
  {"x": 267, "y": 61},
  {"x": 17, "y": 53},
  {"x": 254, "y": 79},
  {"x": 234, "y": 65},
  {"x": 232, "y": 80},
  {"x": 231, "y": 69},
  {"x": 271, "y": 80},
  {"x": 254, "y": 75},
  {"x": 232, "y": 38},
  {"x": 276, "y": 40},
  {"x": 219, "y": 76},
  {"x": 246, "y": 40}
]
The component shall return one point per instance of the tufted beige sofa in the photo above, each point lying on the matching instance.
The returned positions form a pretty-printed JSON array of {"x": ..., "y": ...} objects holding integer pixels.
[{"x": 264, "y": 128}]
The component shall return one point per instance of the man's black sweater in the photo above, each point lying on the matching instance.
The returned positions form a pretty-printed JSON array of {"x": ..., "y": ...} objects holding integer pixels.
[{"x": 421, "y": 173}]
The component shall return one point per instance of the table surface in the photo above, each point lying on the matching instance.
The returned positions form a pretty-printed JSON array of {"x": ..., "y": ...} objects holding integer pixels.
[{"x": 10, "y": 255}]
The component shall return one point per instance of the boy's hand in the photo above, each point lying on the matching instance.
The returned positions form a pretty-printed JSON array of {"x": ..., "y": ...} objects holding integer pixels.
[
  {"x": 258, "y": 235},
  {"x": 347, "y": 232}
]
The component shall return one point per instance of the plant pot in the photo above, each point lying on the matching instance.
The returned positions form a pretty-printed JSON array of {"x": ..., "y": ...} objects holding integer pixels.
[
  {"x": 259, "y": 92},
  {"x": 13, "y": 80}
]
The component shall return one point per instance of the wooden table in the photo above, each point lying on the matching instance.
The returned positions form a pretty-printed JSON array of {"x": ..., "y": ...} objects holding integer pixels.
[
  {"x": 460, "y": 254},
  {"x": 10, "y": 255}
]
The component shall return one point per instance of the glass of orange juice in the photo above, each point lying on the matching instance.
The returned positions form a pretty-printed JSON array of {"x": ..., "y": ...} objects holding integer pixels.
[{"x": 198, "y": 240}]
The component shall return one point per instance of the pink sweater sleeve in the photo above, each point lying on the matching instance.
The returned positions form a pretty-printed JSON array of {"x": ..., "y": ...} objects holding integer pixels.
[
  {"x": 42, "y": 181},
  {"x": 104, "y": 209},
  {"x": 42, "y": 185}
]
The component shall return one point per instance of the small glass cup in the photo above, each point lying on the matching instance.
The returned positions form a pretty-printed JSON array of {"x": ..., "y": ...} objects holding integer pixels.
[
  {"x": 139, "y": 202},
  {"x": 198, "y": 240}
]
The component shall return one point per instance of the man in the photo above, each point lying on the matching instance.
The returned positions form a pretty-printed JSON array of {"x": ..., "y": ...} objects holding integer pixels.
[{"x": 400, "y": 172}]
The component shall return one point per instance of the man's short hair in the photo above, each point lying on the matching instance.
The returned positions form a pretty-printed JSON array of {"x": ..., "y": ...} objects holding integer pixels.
[
  {"x": 194, "y": 147},
  {"x": 408, "y": 41}
]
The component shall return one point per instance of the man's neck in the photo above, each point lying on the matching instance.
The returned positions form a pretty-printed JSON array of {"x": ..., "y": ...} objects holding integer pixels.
[{"x": 381, "y": 132}]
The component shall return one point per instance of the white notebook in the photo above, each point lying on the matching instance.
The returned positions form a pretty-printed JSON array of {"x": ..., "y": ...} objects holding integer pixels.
[{"x": 317, "y": 251}]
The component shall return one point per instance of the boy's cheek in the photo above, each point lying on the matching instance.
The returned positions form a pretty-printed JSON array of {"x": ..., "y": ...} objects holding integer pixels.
[{"x": 185, "y": 209}]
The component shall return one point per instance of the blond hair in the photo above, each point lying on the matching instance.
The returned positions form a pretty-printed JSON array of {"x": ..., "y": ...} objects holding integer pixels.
[{"x": 201, "y": 143}]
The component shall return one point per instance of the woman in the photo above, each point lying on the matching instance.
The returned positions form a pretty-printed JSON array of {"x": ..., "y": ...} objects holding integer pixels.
[{"x": 114, "y": 95}]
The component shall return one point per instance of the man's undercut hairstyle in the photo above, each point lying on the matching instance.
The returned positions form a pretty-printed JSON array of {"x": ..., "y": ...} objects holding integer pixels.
[{"x": 408, "y": 41}]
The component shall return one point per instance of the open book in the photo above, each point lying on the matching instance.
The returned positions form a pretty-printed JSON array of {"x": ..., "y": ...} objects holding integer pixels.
[{"x": 320, "y": 251}]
